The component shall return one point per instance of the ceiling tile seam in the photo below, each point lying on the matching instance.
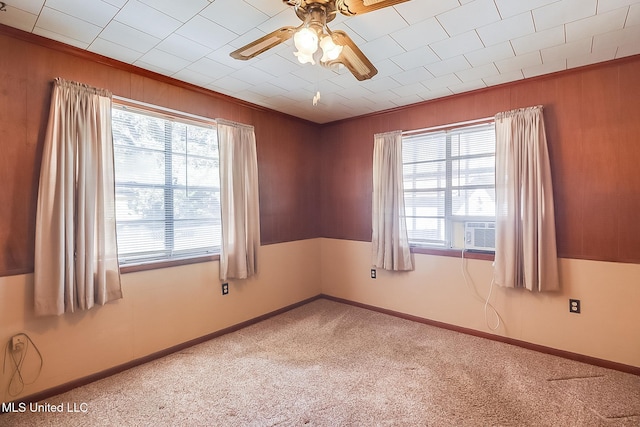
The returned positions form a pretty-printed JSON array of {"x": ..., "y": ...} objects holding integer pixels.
[{"x": 35, "y": 25}]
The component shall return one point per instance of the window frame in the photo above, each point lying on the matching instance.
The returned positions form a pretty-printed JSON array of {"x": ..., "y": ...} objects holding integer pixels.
[
  {"x": 174, "y": 116},
  {"x": 448, "y": 248}
]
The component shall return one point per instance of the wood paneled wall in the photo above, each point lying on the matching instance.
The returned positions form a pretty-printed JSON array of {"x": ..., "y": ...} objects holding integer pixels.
[
  {"x": 315, "y": 181},
  {"x": 287, "y": 147},
  {"x": 592, "y": 118}
]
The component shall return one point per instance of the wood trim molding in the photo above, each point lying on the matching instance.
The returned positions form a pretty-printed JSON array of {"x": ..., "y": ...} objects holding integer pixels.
[{"x": 634, "y": 370}]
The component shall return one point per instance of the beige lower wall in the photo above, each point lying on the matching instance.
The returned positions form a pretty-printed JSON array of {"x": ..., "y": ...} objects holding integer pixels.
[
  {"x": 607, "y": 328},
  {"x": 160, "y": 309}
]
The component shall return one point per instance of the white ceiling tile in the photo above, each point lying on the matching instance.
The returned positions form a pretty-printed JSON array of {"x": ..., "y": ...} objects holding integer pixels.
[
  {"x": 155, "y": 23},
  {"x": 117, "y": 3},
  {"x": 286, "y": 18},
  {"x": 472, "y": 15},
  {"x": 411, "y": 99},
  {"x": 564, "y": 51},
  {"x": 468, "y": 86},
  {"x": 229, "y": 85},
  {"x": 519, "y": 62},
  {"x": 508, "y": 8},
  {"x": 477, "y": 73},
  {"x": 234, "y": 15},
  {"x": 183, "y": 47},
  {"x": 181, "y": 10},
  {"x": 206, "y": 32},
  {"x": 96, "y": 12},
  {"x": 290, "y": 82},
  {"x": 152, "y": 67},
  {"x": 59, "y": 37},
  {"x": 634, "y": 16},
  {"x": 420, "y": 34},
  {"x": 269, "y": 7},
  {"x": 159, "y": 58},
  {"x": 596, "y": 24},
  {"x": 415, "y": 58},
  {"x": 540, "y": 40},
  {"x": 563, "y": 11},
  {"x": 442, "y": 82},
  {"x": 381, "y": 48},
  {"x": 448, "y": 66},
  {"x": 31, "y": 6},
  {"x": 18, "y": 18},
  {"x": 116, "y": 51},
  {"x": 124, "y": 35},
  {"x": 616, "y": 38},
  {"x": 458, "y": 45},
  {"x": 415, "y": 75},
  {"x": 507, "y": 29},
  {"x": 67, "y": 26},
  {"x": 490, "y": 54},
  {"x": 546, "y": 68},
  {"x": 511, "y": 76},
  {"x": 416, "y": 11},
  {"x": 380, "y": 84},
  {"x": 210, "y": 68},
  {"x": 632, "y": 48},
  {"x": 408, "y": 90},
  {"x": 607, "y": 5},
  {"x": 276, "y": 65},
  {"x": 437, "y": 93},
  {"x": 592, "y": 58},
  {"x": 192, "y": 77},
  {"x": 375, "y": 24},
  {"x": 252, "y": 75}
]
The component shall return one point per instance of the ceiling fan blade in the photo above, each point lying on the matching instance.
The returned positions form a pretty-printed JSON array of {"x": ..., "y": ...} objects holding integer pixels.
[
  {"x": 358, "y": 7},
  {"x": 352, "y": 57},
  {"x": 262, "y": 44}
]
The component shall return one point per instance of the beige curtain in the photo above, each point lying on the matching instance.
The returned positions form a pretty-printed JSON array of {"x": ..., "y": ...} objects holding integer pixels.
[
  {"x": 389, "y": 239},
  {"x": 526, "y": 255},
  {"x": 76, "y": 261},
  {"x": 239, "y": 200}
]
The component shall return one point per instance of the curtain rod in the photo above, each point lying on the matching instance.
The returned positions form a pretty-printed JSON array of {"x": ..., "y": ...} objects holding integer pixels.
[
  {"x": 159, "y": 109},
  {"x": 449, "y": 126}
]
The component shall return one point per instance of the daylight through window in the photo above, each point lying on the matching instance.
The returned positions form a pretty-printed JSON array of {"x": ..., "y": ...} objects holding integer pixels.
[
  {"x": 167, "y": 186},
  {"x": 449, "y": 180}
]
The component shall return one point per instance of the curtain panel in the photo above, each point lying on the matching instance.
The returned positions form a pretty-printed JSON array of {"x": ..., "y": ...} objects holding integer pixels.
[
  {"x": 390, "y": 243},
  {"x": 76, "y": 261},
  {"x": 526, "y": 255},
  {"x": 239, "y": 200}
]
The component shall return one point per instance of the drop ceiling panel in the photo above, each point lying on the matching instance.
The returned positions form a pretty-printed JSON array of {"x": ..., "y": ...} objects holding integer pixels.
[{"x": 423, "y": 49}]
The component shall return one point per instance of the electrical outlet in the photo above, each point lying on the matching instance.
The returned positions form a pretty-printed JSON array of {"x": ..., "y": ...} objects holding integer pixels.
[
  {"x": 373, "y": 273},
  {"x": 225, "y": 288},
  {"x": 18, "y": 343},
  {"x": 574, "y": 306}
]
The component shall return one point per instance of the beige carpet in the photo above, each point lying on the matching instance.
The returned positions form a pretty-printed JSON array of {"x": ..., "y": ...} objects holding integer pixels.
[{"x": 330, "y": 364}]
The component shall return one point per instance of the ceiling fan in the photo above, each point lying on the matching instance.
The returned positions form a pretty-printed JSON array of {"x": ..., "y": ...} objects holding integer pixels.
[{"x": 336, "y": 47}]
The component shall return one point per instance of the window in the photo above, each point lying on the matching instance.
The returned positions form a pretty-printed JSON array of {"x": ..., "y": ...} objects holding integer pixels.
[
  {"x": 167, "y": 186},
  {"x": 449, "y": 179}
]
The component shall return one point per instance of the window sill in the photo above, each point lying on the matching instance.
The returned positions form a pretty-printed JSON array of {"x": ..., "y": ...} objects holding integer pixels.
[
  {"x": 165, "y": 264},
  {"x": 454, "y": 253}
]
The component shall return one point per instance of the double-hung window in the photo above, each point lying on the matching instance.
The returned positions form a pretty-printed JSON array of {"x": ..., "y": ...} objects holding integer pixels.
[
  {"x": 167, "y": 186},
  {"x": 449, "y": 180}
]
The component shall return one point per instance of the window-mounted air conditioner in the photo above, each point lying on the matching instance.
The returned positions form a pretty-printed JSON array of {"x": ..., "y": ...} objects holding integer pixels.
[{"x": 480, "y": 235}]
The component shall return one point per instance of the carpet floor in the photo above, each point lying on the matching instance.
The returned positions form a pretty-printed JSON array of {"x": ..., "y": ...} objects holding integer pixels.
[{"x": 331, "y": 364}]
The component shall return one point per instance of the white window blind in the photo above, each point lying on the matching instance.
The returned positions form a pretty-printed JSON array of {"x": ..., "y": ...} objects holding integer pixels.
[
  {"x": 449, "y": 178},
  {"x": 167, "y": 186}
]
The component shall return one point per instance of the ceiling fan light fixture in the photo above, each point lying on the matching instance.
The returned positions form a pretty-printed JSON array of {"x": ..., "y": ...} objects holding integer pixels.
[
  {"x": 330, "y": 50},
  {"x": 306, "y": 41}
]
